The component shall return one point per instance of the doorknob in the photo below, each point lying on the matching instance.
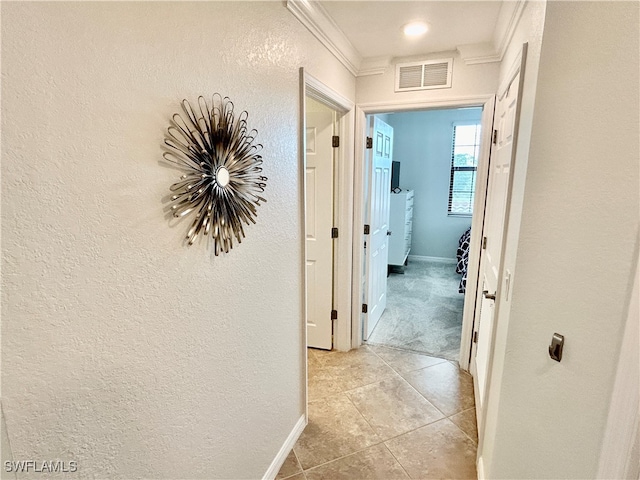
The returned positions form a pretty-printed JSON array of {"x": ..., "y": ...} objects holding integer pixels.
[{"x": 489, "y": 296}]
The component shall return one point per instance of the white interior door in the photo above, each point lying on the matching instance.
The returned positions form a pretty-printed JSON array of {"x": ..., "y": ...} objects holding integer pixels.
[
  {"x": 498, "y": 194},
  {"x": 320, "y": 122},
  {"x": 377, "y": 241}
]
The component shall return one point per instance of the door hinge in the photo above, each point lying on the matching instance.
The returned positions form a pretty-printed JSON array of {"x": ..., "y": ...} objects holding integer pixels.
[
  {"x": 369, "y": 142},
  {"x": 334, "y": 314},
  {"x": 484, "y": 243},
  {"x": 335, "y": 141},
  {"x": 334, "y": 232},
  {"x": 365, "y": 308},
  {"x": 495, "y": 137},
  {"x": 366, "y": 229},
  {"x": 475, "y": 337}
]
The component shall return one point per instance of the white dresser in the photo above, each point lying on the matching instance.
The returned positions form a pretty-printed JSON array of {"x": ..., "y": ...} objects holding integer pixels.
[{"x": 400, "y": 221}]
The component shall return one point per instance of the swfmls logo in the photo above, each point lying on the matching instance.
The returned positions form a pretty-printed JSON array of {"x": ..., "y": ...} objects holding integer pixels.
[{"x": 57, "y": 466}]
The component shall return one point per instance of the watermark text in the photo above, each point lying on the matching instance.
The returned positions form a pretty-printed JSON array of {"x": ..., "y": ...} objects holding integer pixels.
[{"x": 41, "y": 466}]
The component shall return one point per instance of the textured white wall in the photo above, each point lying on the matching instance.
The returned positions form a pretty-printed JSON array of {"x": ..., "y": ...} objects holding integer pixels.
[
  {"x": 422, "y": 144},
  {"x": 467, "y": 81},
  {"x": 576, "y": 249},
  {"x": 121, "y": 348}
]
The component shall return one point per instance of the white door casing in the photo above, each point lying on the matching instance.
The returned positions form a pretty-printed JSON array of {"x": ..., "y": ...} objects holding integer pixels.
[
  {"x": 361, "y": 184},
  {"x": 498, "y": 195},
  {"x": 477, "y": 222},
  {"x": 319, "y": 171},
  {"x": 377, "y": 241}
]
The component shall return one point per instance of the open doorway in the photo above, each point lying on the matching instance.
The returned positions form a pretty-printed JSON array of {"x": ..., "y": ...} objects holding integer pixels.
[
  {"x": 486, "y": 103},
  {"x": 327, "y": 213},
  {"x": 435, "y": 159}
]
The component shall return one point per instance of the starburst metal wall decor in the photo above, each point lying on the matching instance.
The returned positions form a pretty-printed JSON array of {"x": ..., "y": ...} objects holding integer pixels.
[{"x": 222, "y": 182}]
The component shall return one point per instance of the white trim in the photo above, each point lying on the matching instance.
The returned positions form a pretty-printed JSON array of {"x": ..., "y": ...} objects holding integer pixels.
[
  {"x": 514, "y": 70},
  {"x": 358, "y": 228},
  {"x": 505, "y": 40},
  {"x": 423, "y": 258},
  {"x": 475, "y": 241},
  {"x": 313, "y": 16},
  {"x": 343, "y": 200},
  {"x": 476, "y": 53},
  {"x": 286, "y": 448},
  {"x": 480, "y": 468},
  {"x": 385, "y": 107},
  {"x": 491, "y": 58},
  {"x": 374, "y": 66},
  {"x": 617, "y": 453},
  {"x": 302, "y": 148},
  {"x": 319, "y": 91}
]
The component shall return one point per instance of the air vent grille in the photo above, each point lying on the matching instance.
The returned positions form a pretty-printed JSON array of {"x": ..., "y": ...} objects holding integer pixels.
[
  {"x": 410, "y": 77},
  {"x": 424, "y": 75}
]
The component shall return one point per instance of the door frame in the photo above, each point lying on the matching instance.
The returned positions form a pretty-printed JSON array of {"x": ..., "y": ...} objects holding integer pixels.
[
  {"x": 343, "y": 204},
  {"x": 361, "y": 111}
]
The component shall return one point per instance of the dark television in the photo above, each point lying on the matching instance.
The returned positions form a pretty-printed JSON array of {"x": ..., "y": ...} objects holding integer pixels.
[{"x": 395, "y": 175}]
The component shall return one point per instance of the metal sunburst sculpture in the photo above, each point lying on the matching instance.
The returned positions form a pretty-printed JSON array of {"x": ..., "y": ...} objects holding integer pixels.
[{"x": 222, "y": 181}]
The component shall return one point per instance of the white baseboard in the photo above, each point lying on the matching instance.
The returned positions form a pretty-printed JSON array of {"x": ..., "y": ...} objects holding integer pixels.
[
  {"x": 480, "y": 468},
  {"x": 420, "y": 258},
  {"x": 286, "y": 448}
]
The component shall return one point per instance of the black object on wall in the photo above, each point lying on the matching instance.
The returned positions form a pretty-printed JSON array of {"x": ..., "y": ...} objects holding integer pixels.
[{"x": 395, "y": 175}]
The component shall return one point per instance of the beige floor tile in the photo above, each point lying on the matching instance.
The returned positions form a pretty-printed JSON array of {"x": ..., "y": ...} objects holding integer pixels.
[
  {"x": 333, "y": 372},
  {"x": 403, "y": 360},
  {"x": 290, "y": 467},
  {"x": 373, "y": 463},
  {"x": 445, "y": 385},
  {"x": 393, "y": 407},
  {"x": 362, "y": 356},
  {"x": 438, "y": 450},
  {"x": 298, "y": 476},
  {"x": 319, "y": 354},
  {"x": 466, "y": 421},
  {"x": 323, "y": 382},
  {"x": 335, "y": 429}
]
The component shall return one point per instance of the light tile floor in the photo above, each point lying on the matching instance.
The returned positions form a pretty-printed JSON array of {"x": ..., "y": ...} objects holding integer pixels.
[{"x": 382, "y": 413}]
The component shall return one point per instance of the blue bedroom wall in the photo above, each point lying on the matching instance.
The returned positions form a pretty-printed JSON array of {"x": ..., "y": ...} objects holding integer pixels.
[{"x": 422, "y": 144}]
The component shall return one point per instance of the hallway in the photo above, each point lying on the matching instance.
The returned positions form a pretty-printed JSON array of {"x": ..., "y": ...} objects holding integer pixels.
[{"x": 378, "y": 412}]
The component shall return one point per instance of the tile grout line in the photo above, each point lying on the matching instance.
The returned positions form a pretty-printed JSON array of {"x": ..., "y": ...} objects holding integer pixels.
[
  {"x": 408, "y": 350},
  {"x": 396, "y": 459},
  {"x": 340, "y": 458},
  {"x": 475, "y": 442},
  {"x": 448, "y": 417},
  {"x": 397, "y": 373},
  {"x": 445, "y": 416},
  {"x": 370, "y": 426}
]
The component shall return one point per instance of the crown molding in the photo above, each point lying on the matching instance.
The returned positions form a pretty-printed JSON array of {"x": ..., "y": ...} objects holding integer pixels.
[
  {"x": 474, "y": 54},
  {"x": 477, "y": 53},
  {"x": 316, "y": 19},
  {"x": 374, "y": 66},
  {"x": 502, "y": 42}
]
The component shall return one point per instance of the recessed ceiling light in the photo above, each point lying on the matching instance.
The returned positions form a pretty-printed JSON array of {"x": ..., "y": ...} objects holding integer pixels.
[{"x": 415, "y": 29}]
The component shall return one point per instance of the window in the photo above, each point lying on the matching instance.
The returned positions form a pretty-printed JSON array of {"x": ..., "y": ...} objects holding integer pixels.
[{"x": 464, "y": 164}]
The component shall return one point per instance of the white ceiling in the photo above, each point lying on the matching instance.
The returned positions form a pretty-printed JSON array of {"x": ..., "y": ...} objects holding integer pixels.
[{"x": 374, "y": 28}]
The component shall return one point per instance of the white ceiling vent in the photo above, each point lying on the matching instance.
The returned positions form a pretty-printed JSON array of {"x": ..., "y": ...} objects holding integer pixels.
[{"x": 424, "y": 75}]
